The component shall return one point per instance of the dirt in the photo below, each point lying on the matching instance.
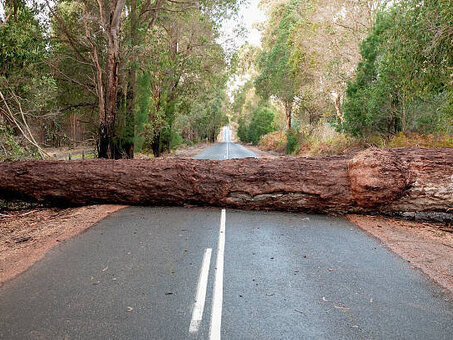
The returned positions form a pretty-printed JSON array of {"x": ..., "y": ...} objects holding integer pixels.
[
  {"x": 64, "y": 152},
  {"x": 27, "y": 235},
  {"x": 426, "y": 246}
]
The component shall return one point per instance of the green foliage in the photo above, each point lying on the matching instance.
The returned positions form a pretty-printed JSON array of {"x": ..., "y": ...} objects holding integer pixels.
[
  {"x": 277, "y": 77},
  {"x": 10, "y": 147},
  {"x": 404, "y": 80},
  {"x": 261, "y": 123},
  {"x": 181, "y": 90},
  {"x": 292, "y": 142},
  {"x": 21, "y": 43}
]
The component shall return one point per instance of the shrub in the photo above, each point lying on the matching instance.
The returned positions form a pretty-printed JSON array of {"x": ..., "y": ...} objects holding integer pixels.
[
  {"x": 420, "y": 141},
  {"x": 260, "y": 124},
  {"x": 292, "y": 142},
  {"x": 273, "y": 141}
]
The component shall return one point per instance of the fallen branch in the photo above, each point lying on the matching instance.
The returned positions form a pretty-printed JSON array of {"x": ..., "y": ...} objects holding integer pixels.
[{"x": 24, "y": 129}]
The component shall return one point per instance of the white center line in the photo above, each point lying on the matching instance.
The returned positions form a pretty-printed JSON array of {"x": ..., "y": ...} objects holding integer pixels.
[
  {"x": 216, "y": 316},
  {"x": 198, "y": 307}
]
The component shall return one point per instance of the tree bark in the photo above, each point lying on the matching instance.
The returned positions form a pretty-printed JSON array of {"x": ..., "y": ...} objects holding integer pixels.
[
  {"x": 131, "y": 92},
  {"x": 389, "y": 181},
  {"x": 288, "y": 114},
  {"x": 337, "y": 104},
  {"x": 111, "y": 24}
]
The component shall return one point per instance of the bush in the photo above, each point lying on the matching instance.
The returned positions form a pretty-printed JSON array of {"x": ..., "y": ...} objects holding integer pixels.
[
  {"x": 273, "y": 141},
  {"x": 292, "y": 142},
  {"x": 403, "y": 82},
  {"x": 417, "y": 140},
  {"x": 260, "y": 124},
  {"x": 10, "y": 147}
]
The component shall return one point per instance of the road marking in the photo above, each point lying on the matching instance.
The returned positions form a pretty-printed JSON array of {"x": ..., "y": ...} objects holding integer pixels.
[
  {"x": 228, "y": 151},
  {"x": 198, "y": 307},
  {"x": 216, "y": 316}
]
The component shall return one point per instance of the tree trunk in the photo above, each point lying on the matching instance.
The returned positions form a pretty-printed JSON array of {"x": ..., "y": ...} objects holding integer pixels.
[
  {"x": 337, "y": 103},
  {"x": 288, "y": 114},
  {"x": 155, "y": 144},
  {"x": 128, "y": 146},
  {"x": 112, "y": 23},
  {"x": 389, "y": 181}
]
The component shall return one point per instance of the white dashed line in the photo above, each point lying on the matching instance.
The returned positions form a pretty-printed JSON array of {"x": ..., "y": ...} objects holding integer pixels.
[{"x": 198, "y": 307}]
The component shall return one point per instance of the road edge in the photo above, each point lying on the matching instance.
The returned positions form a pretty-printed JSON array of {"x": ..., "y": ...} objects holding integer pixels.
[
  {"x": 18, "y": 261},
  {"x": 417, "y": 243}
]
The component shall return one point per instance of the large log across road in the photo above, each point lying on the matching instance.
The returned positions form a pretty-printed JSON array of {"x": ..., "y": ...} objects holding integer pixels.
[{"x": 375, "y": 180}]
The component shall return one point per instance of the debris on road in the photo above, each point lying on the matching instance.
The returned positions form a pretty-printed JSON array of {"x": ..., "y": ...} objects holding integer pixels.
[{"x": 27, "y": 234}]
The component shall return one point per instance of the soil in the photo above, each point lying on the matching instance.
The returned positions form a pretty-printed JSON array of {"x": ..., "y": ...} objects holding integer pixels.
[
  {"x": 27, "y": 235},
  {"x": 426, "y": 246},
  {"x": 64, "y": 152}
]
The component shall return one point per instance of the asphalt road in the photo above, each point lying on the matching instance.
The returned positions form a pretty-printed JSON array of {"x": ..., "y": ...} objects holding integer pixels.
[
  {"x": 226, "y": 149},
  {"x": 180, "y": 273}
]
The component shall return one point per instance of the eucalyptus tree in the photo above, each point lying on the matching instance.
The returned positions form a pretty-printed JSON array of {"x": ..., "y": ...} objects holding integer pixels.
[
  {"x": 107, "y": 38},
  {"x": 277, "y": 77},
  {"x": 26, "y": 88},
  {"x": 182, "y": 65},
  {"x": 404, "y": 81}
]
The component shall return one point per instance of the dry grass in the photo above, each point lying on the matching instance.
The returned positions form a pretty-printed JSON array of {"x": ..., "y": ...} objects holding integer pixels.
[
  {"x": 323, "y": 140},
  {"x": 273, "y": 141},
  {"x": 420, "y": 141}
]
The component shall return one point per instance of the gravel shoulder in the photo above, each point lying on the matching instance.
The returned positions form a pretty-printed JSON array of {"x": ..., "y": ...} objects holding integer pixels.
[
  {"x": 27, "y": 235},
  {"x": 426, "y": 246}
]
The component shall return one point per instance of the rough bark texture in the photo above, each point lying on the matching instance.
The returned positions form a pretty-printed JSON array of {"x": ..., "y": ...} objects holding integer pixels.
[
  {"x": 397, "y": 180},
  {"x": 111, "y": 24}
]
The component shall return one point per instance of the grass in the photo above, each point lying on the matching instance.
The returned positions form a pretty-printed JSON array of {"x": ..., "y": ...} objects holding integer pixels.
[{"x": 323, "y": 140}]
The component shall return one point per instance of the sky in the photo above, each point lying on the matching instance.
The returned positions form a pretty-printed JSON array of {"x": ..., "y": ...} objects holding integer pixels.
[{"x": 249, "y": 15}]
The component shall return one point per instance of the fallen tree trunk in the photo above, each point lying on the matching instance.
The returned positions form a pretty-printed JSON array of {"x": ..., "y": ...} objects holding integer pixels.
[{"x": 396, "y": 180}]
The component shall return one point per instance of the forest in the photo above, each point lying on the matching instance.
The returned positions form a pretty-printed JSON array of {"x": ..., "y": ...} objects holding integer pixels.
[
  {"x": 132, "y": 76},
  {"x": 335, "y": 76},
  {"x": 123, "y": 76}
]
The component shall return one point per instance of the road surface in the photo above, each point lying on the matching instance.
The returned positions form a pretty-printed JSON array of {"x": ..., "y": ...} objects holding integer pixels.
[{"x": 194, "y": 273}]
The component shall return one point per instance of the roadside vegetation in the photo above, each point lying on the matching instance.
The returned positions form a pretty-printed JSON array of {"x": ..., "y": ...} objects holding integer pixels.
[
  {"x": 118, "y": 76},
  {"x": 112, "y": 79},
  {"x": 341, "y": 76}
]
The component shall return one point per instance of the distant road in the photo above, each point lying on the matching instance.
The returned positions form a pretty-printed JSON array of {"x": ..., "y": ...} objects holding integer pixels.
[
  {"x": 211, "y": 273},
  {"x": 226, "y": 149}
]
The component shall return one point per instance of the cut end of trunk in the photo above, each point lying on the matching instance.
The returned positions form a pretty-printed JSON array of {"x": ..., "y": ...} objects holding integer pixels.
[{"x": 377, "y": 177}]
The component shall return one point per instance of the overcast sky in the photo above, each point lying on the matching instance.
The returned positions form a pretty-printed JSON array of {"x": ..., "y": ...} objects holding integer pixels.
[{"x": 249, "y": 14}]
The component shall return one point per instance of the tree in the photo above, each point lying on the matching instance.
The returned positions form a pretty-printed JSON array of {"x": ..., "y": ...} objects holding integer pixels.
[
  {"x": 99, "y": 47},
  {"x": 276, "y": 76},
  {"x": 26, "y": 88},
  {"x": 261, "y": 123},
  {"x": 108, "y": 40},
  {"x": 186, "y": 75},
  {"x": 403, "y": 83},
  {"x": 325, "y": 44}
]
